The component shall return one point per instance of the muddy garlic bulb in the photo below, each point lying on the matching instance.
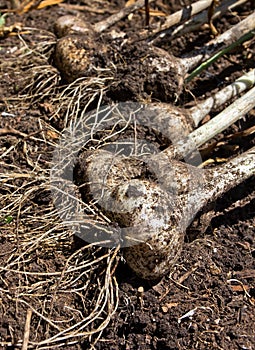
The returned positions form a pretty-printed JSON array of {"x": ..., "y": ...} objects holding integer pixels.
[
  {"x": 136, "y": 69},
  {"x": 153, "y": 214},
  {"x": 149, "y": 215}
]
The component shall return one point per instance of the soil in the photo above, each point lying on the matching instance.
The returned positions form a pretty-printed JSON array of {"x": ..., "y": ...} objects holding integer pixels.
[{"x": 207, "y": 300}]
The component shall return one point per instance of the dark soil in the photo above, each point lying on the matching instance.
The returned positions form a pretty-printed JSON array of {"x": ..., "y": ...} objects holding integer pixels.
[{"x": 207, "y": 301}]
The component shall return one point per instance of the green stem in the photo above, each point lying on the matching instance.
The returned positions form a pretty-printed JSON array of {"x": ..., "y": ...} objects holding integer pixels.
[{"x": 212, "y": 59}]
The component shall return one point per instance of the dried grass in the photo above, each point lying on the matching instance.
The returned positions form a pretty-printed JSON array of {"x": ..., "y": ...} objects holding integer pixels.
[{"x": 43, "y": 270}]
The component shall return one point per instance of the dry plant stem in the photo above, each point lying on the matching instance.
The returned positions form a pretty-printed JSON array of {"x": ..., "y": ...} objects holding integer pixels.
[
  {"x": 103, "y": 25},
  {"x": 73, "y": 25},
  {"x": 193, "y": 116},
  {"x": 223, "y": 178},
  {"x": 211, "y": 11},
  {"x": 175, "y": 18},
  {"x": 183, "y": 15},
  {"x": 243, "y": 83},
  {"x": 147, "y": 13},
  {"x": 219, "y": 43},
  {"x": 191, "y": 25},
  {"x": 216, "y": 125},
  {"x": 27, "y": 330}
]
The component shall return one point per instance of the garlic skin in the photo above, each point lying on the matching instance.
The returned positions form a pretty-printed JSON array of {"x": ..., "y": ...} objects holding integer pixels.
[
  {"x": 69, "y": 25},
  {"x": 155, "y": 221}
]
